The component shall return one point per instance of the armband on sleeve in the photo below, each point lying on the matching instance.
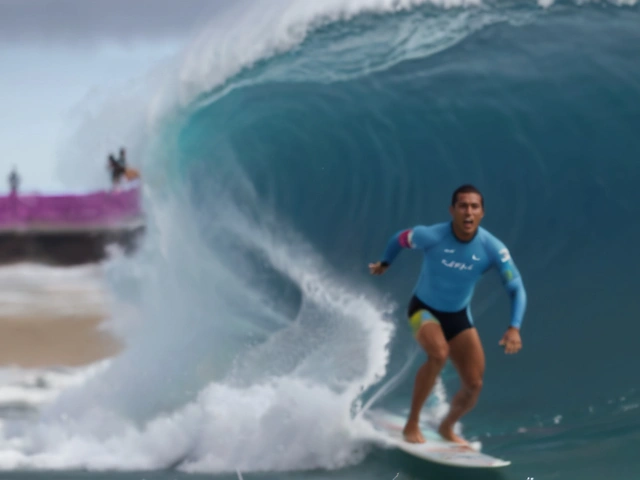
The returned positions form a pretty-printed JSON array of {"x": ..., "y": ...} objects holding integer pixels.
[
  {"x": 404, "y": 238},
  {"x": 400, "y": 240},
  {"x": 412, "y": 238}
]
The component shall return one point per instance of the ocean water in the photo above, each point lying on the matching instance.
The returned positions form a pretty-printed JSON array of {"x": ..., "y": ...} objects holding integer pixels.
[{"x": 290, "y": 141}]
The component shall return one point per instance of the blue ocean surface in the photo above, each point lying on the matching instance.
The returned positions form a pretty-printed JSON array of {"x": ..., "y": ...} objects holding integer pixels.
[{"x": 299, "y": 139}]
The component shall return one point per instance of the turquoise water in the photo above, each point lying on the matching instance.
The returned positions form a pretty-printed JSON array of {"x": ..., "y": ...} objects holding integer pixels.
[{"x": 265, "y": 334}]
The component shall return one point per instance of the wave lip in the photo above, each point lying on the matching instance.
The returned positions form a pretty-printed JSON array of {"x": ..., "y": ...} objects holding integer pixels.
[{"x": 243, "y": 36}]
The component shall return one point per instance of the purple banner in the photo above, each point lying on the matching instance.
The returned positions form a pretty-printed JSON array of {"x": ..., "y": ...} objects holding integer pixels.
[{"x": 94, "y": 209}]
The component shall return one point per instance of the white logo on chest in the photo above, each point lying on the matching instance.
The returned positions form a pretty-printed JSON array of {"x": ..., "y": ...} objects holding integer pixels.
[{"x": 457, "y": 265}]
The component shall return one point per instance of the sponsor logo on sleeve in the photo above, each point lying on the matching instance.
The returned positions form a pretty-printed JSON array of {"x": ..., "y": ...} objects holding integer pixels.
[{"x": 508, "y": 275}]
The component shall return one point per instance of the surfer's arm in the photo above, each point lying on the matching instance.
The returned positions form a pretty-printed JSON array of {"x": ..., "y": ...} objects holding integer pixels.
[
  {"x": 417, "y": 237},
  {"x": 518, "y": 296},
  {"x": 512, "y": 282}
]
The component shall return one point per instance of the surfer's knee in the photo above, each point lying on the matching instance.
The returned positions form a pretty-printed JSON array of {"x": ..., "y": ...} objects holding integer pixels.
[
  {"x": 438, "y": 354},
  {"x": 473, "y": 385}
]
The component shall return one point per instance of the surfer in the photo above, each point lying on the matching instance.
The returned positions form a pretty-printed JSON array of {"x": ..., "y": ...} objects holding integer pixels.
[
  {"x": 14, "y": 181},
  {"x": 456, "y": 255},
  {"x": 122, "y": 157},
  {"x": 117, "y": 170}
]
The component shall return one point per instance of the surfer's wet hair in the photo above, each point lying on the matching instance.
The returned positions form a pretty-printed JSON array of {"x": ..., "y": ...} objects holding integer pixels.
[{"x": 466, "y": 188}]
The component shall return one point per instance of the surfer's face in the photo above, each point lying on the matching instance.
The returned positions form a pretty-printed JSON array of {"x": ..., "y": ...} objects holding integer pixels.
[{"x": 467, "y": 214}]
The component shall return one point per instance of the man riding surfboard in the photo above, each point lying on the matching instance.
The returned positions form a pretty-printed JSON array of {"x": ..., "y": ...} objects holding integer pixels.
[{"x": 455, "y": 256}]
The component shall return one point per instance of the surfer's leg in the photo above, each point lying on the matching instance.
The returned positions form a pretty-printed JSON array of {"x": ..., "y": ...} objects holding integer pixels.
[
  {"x": 430, "y": 337},
  {"x": 467, "y": 355}
]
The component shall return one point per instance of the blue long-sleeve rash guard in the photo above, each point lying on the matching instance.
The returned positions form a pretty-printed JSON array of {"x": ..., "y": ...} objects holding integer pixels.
[{"x": 451, "y": 268}]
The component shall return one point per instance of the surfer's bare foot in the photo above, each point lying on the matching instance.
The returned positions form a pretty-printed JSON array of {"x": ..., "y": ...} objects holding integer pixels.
[
  {"x": 412, "y": 433},
  {"x": 447, "y": 434}
]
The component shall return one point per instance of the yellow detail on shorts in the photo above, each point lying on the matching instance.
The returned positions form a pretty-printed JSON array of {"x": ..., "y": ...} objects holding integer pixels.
[{"x": 418, "y": 318}]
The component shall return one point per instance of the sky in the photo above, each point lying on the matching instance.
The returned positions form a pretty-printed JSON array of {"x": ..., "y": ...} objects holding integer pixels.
[{"x": 56, "y": 55}]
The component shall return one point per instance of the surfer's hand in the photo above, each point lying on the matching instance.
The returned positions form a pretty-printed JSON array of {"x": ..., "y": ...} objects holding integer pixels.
[
  {"x": 511, "y": 340},
  {"x": 377, "y": 268}
]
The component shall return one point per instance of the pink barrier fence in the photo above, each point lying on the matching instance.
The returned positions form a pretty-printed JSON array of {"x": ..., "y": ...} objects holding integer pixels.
[{"x": 77, "y": 210}]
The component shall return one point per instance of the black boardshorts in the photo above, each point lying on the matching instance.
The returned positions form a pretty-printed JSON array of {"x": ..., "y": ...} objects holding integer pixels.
[{"x": 452, "y": 323}]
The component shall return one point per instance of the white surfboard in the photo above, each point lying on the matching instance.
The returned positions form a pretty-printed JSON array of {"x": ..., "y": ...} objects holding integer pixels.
[{"x": 436, "y": 449}]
